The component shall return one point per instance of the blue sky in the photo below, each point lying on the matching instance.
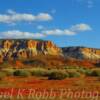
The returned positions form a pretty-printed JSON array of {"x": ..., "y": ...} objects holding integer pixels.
[{"x": 65, "y": 22}]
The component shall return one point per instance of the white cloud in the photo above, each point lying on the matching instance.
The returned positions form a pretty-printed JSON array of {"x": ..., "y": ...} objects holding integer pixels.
[
  {"x": 20, "y": 34},
  {"x": 69, "y": 32},
  {"x": 12, "y": 17},
  {"x": 58, "y": 32},
  {"x": 53, "y": 32},
  {"x": 75, "y": 29},
  {"x": 43, "y": 17},
  {"x": 81, "y": 27}
]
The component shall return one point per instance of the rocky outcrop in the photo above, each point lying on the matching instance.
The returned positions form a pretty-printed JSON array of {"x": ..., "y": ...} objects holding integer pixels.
[
  {"x": 82, "y": 53},
  {"x": 19, "y": 48},
  {"x": 16, "y": 49}
]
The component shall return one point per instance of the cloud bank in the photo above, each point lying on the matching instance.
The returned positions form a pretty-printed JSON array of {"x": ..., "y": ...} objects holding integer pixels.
[
  {"x": 12, "y": 17},
  {"x": 73, "y": 30},
  {"x": 16, "y": 34}
]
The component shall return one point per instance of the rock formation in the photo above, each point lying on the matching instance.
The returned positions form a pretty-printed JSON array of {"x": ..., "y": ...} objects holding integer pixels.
[
  {"x": 12, "y": 49},
  {"x": 21, "y": 48},
  {"x": 82, "y": 53}
]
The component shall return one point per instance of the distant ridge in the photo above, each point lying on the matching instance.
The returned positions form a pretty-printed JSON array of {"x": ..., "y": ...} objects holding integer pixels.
[{"x": 80, "y": 52}]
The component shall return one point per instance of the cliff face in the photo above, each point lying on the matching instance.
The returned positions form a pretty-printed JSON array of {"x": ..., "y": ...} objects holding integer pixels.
[
  {"x": 16, "y": 49},
  {"x": 82, "y": 53},
  {"x": 24, "y": 49}
]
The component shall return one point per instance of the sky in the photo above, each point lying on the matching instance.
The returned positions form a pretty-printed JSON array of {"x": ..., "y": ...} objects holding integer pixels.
[{"x": 65, "y": 22}]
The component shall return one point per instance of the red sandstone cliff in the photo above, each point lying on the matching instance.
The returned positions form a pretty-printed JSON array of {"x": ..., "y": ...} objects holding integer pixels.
[{"x": 17, "y": 49}]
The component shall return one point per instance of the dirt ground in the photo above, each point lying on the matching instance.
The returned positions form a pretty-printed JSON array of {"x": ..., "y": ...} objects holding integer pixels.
[{"x": 60, "y": 88}]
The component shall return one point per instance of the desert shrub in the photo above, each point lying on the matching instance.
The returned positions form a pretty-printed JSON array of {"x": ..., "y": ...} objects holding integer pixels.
[
  {"x": 88, "y": 72},
  {"x": 57, "y": 75},
  {"x": 2, "y": 75},
  {"x": 39, "y": 72},
  {"x": 22, "y": 73},
  {"x": 74, "y": 74},
  {"x": 95, "y": 73},
  {"x": 81, "y": 70},
  {"x": 70, "y": 67}
]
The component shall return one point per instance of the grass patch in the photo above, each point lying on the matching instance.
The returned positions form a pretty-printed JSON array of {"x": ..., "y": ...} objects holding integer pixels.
[
  {"x": 73, "y": 74},
  {"x": 2, "y": 75},
  {"x": 39, "y": 72}
]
